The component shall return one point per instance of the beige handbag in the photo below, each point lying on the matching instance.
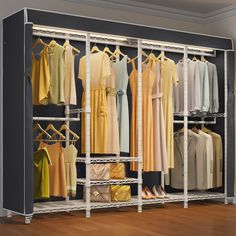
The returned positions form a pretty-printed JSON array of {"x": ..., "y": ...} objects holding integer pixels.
[
  {"x": 117, "y": 170},
  {"x": 100, "y": 193},
  {"x": 100, "y": 172}
]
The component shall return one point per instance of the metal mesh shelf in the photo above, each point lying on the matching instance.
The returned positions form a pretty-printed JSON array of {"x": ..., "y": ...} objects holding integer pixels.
[
  {"x": 82, "y": 181},
  {"x": 202, "y": 115},
  {"x": 59, "y": 206},
  {"x": 76, "y": 205},
  {"x": 108, "y": 159},
  {"x": 179, "y": 197}
]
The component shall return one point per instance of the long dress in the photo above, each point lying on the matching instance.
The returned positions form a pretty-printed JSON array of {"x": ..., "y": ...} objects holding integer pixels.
[
  {"x": 159, "y": 132},
  {"x": 99, "y": 73},
  {"x": 148, "y": 78},
  {"x": 169, "y": 77},
  {"x": 122, "y": 78},
  {"x": 113, "y": 146}
]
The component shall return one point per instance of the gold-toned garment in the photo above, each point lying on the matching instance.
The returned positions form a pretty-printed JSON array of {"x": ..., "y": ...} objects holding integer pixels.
[
  {"x": 148, "y": 78},
  {"x": 99, "y": 73}
]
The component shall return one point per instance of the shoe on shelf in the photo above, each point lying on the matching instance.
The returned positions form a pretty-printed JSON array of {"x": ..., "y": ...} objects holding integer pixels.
[
  {"x": 149, "y": 193},
  {"x": 144, "y": 195},
  {"x": 157, "y": 192},
  {"x": 162, "y": 190}
]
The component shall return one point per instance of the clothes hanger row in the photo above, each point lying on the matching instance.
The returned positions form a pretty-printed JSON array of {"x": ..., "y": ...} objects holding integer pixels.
[
  {"x": 53, "y": 42},
  {"x": 52, "y": 137}
]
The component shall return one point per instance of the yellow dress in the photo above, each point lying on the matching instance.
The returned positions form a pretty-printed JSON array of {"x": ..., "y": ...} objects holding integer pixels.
[
  {"x": 40, "y": 77},
  {"x": 148, "y": 78},
  {"x": 169, "y": 77},
  {"x": 99, "y": 73}
]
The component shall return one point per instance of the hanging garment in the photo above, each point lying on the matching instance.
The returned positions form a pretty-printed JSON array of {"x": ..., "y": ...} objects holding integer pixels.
[
  {"x": 217, "y": 157},
  {"x": 57, "y": 175},
  {"x": 194, "y": 89},
  {"x": 204, "y": 85},
  {"x": 205, "y": 162},
  {"x": 120, "y": 69},
  {"x": 40, "y": 77},
  {"x": 99, "y": 73},
  {"x": 69, "y": 76},
  {"x": 148, "y": 78},
  {"x": 70, "y": 155},
  {"x": 113, "y": 146},
  {"x": 213, "y": 88},
  {"x": 56, "y": 64},
  {"x": 169, "y": 77},
  {"x": 159, "y": 132},
  {"x": 177, "y": 173},
  {"x": 41, "y": 174}
]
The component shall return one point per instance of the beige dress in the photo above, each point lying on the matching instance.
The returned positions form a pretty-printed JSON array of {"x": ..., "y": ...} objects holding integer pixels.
[
  {"x": 70, "y": 155},
  {"x": 99, "y": 73},
  {"x": 69, "y": 76},
  {"x": 57, "y": 177},
  {"x": 113, "y": 146},
  {"x": 148, "y": 78},
  {"x": 169, "y": 78},
  {"x": 159, "y": 132}
]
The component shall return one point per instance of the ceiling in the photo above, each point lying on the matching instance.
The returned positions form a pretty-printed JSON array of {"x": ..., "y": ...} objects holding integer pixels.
[
  {"x": 196, "y": 6},
  {"x": 194, "y": 10}
]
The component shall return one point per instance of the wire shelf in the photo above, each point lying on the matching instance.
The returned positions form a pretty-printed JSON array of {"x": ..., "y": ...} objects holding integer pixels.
[
  {"x": 202, "y": 115},
  {"x": 82, "y": 181},
  {"x": 108, "y": 159}
]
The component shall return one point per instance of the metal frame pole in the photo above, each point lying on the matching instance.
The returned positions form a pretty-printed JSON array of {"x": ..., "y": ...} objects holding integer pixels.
[
  {"x": 87, "y": 127},
  {"x": 185, "y": 127},
  {"x": 139, "y": 108},
  {"x": 226, "y": 124}
]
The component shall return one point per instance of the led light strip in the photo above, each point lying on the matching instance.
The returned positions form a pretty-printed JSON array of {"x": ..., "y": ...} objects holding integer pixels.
[{"x": 73, "y": 32}]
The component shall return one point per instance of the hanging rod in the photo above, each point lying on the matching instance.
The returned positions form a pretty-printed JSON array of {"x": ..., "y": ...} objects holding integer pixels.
[
  {"x": 195, "y": 122},
  {"x": 42, "y": 31},
  {"x": 55, "y": 119}
]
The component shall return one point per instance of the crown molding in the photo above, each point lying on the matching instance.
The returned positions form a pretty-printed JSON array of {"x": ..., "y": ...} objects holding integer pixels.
[{"x": 160, "y": 11}]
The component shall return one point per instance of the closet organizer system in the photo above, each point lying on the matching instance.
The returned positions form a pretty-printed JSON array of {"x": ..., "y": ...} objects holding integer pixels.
[{"x": 19, "y": 31}]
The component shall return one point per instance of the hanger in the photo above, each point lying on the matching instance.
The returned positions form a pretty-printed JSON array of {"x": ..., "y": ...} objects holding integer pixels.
[
  {"x": 195, "y": 130},
  {"x": 181, "y": 131},
  {"x": 118, "y": 52},
  {"x": 38, "y": 126},
  {"x": 95, "y": 49},
  {"x": 51, "y": 127},
  {"x": 150, "y": 56},
  {"x": 38, "y": 42},
  {"x": 203, "y": 59},
  {"x": 205, "y": 130},
  {"x": 135, "y": 58},
  {"x": 162, "y": 56},
  {"x": 66, "y": 128},
  {"x": 107, "y": 50},
  {"x": 52, "y": 42},
  {"x": 67, "y": 43},
  {"x": 194, "y": 58}
]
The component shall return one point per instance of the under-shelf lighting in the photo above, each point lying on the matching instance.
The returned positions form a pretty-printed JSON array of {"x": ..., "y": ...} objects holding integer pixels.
[{"x": 74, "y": 32}]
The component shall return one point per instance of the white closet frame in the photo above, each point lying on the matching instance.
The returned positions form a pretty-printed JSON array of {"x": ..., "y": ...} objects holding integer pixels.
[{"x": 138, "y": 201}]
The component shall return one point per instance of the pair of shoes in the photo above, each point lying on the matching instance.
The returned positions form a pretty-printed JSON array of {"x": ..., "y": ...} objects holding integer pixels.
[
  {"x": 159, "y": 192},
  {"x": 147, "y": 194}
]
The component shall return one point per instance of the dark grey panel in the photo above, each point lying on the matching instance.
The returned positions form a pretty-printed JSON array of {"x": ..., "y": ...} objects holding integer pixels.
[
  {"x": 13, "y": 113},
  {"x": 108, "y": 27},
  {"x": 28, "y": 123}
]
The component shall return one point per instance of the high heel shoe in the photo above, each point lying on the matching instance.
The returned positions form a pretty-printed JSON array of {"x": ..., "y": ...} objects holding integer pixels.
[
  {"x": 162, "y": 190},
  {"x": 149, "y": 193},
  {"x": 144, "y": 195},
  {"x": 157, "y": 192}
]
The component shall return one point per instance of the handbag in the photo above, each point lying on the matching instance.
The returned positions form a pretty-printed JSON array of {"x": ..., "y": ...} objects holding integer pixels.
[
  {"x": 100, "y": 172},
  {"x": 99, "y": 193},
  {"x": 120, "y": 193},
  {"x": 117, "y": 170}
]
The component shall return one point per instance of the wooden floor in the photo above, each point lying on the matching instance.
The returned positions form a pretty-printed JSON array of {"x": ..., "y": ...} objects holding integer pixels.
[{"x": 203, "y": 219}]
